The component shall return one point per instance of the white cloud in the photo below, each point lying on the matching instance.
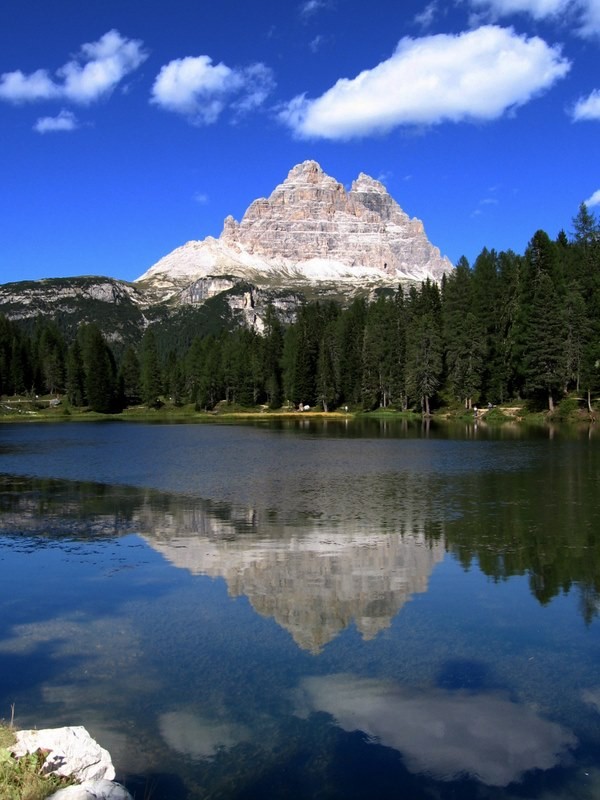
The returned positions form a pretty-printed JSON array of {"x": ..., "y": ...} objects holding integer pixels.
[
  {"x": 594, "y": 200},
  {"x": 97, "y": 70},
  {"x": 538, "y": 9},
  {"x": 581, "y": 15},
  {"x": 64, "y": 121},
  {"x": 444, "y": 734},
  {"x": 478, "y": 75},
  {"x": 105, "y": 63},
  {"x": 16, "y": 87},
  {"x": 310, "y": 7},
  {"x": 590, "y": 18},
  {"x": 587, "y": 108},
  {"x": 200, "y": 90}
]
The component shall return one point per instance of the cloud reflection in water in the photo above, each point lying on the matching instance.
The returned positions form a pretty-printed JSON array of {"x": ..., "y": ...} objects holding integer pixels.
[{"x": 444, "y": 734}]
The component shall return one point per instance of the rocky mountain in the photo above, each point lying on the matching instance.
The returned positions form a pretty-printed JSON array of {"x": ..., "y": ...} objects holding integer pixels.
[
  {"x": 310, "y": 235},
  {"x": 311, "y": 238}
]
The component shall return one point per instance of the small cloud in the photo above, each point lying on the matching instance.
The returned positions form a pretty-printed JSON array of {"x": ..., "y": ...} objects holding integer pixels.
[
  {"x": 587, "y": 108},
  {"x": 538, "y": 9},
  {"x": 64, "y": 121},
  {"x": 384, "y": 177},
  {"x": 582, "y": 16},
  {"x": 310, "y": 7},
  {"x": 317, "y": 42},
  {"x": 593, "y": 200},
  {"x": 483, "y": 203},
  {"x": 201, "y": 198},
  {"x": 426, "y": 17},
  {"x": 200, "y": 90},
  {"x": 257, "y": 84},
  {"x": 477, "y": 75},
  {"x": 96, "y": 71}
]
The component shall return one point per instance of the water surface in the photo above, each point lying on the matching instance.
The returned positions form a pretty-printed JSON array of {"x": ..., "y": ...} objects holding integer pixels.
[{"x": 308, "y": 611}]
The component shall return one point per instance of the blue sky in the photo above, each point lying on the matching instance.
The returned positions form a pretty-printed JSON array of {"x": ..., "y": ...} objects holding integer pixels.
[{"x": 129, "y": 127}]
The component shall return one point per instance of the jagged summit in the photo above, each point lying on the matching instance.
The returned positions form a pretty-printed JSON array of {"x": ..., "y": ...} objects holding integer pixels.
[{"x": 309, "y": 231}]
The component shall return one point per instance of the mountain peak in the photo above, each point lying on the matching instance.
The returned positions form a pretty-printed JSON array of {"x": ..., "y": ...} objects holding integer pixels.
[
  {"x": 365, "y": 183},
  {"x": 308, "y": 171},
  {"x": 311, "y": 232}
]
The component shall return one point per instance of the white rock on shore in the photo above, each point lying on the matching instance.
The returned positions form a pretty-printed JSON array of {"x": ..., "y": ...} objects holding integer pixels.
[{"x": 71, "y": 752}]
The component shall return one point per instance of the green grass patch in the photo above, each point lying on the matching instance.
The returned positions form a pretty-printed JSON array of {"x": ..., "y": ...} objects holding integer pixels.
[{"x": 22, "y": 778}]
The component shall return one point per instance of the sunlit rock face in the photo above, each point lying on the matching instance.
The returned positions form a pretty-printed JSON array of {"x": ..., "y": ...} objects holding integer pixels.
[{"x": 309, "y": 231}]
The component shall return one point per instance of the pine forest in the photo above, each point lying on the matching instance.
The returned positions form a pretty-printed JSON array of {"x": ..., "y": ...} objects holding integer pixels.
[{"x": 506, "y": 327}]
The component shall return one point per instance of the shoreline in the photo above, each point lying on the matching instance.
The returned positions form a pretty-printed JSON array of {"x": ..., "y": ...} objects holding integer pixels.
[{"x": 496, "y": 416}]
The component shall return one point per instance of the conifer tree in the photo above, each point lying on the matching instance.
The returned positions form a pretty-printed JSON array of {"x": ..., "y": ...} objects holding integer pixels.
[
  {"x": 463, "y": 337},
  {"x": 129, "y": 377},
  {"x": 150, "y": 372},
  {"x": 99, "y": 368},
  {"x": 75, "y": 379},
  {"x": 424, "y": 344}
]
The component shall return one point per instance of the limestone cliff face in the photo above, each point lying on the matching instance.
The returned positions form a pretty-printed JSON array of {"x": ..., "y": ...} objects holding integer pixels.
[
  {"x": 311, "y": 216},
  {"x": 309, "y": 231}
]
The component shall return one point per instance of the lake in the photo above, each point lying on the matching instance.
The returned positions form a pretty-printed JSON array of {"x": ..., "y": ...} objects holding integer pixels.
[{"x": 308, "y": 610}]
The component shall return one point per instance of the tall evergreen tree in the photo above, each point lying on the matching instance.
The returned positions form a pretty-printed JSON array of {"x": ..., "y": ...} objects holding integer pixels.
[
  {"x": 75, "y": 380},
  {"x": 351, "y": 328},
  {"x": 100, "y": 372},
  {"x": 463, "y": 337},
  {"x": 424, "y": 344},
  {"x": 129, "y": 377},
  {"x": 272, "y": 353},
  {"x": 150, "y": 372}
]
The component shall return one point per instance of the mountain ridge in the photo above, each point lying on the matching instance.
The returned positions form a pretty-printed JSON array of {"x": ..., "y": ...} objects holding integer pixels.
[
  {"x": 310, "y": 231},
  {"x": 310, "y": 239}
]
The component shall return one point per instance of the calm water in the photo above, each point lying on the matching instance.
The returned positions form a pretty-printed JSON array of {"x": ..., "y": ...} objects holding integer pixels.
[{"x": 308, "y": 611}]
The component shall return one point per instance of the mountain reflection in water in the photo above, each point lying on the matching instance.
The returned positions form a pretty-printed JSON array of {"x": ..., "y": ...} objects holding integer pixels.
[{"x": 313, "y": 579}]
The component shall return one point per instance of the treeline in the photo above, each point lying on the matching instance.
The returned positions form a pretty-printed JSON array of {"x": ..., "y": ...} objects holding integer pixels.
[{"x": 509, "y": 326}]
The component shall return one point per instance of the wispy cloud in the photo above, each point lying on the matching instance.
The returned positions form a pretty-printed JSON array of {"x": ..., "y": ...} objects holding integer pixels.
[
  {"x": 200, "y": 90},
  {"x": 477, "y": 75},
  {"x": 426, "y": 17},
  {"x": 587, "y": 108},
  {"x": 594, "y": 199},
  {"x": 582, "y": 16},
  {"x": 64, "y": 121},
  {"x": 201, "y": 198},
  {"x": 311, "y": 7},
  {"x": 317, "y": 43},
  {"x": 99, "y": 67}
]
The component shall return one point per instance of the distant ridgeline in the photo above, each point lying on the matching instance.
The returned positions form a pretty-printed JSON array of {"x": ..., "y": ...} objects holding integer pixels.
[{"x": 196, "y": 329}]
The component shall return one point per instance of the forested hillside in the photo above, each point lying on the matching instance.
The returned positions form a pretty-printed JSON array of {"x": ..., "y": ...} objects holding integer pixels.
[{"x": 508, "y": 326}]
